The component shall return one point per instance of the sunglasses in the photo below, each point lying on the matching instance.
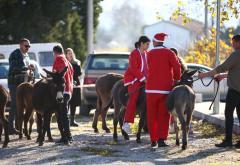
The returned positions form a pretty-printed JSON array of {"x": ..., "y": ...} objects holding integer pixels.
[{"x": 27, "y": 46}]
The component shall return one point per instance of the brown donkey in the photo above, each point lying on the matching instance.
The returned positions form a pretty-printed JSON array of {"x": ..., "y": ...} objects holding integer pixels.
[
  {"x": 24, "y": 109},
  {"x": 3, "y": 121}
]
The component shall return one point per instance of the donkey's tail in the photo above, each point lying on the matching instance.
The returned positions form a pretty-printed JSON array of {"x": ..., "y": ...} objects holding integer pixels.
[
  {"x": 170, "y": 102},
  {"x": 109, "y": 103}
]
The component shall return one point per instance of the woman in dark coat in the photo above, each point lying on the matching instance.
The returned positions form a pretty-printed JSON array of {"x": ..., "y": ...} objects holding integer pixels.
[{"x": 76, "y": 64}]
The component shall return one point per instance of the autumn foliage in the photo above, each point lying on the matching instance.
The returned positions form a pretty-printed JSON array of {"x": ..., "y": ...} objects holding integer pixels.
[{"x": 204, "y": 51}]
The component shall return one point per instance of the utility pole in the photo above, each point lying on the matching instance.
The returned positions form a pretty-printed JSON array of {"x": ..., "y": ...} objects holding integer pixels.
[
  {"x": 217, "y": 100},
  {"x": 206, "y": 18},
  {"x": 90, "y": 26}
]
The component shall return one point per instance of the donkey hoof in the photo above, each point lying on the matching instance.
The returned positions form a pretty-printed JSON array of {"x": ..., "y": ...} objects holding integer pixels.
[
  {"x": 184, "y": 147},
  {"x": 96, "y": 131},
  {"x": 4, "y": 145},
  {"x": 20, "y": 136},
  {"x": 50, "y": 139},
  {"x": 115, "y": 137},
  {"x": 177, "y": 142},
  {"x": 138, "y": 141},
  {"x": 107, "y": 130},
  {"x": 40, "y": 144}
]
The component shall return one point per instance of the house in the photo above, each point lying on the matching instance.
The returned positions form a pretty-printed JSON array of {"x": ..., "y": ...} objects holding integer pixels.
[{"x": 179, "y": 36}]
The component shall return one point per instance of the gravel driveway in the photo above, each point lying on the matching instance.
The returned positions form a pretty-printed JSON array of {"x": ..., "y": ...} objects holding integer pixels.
[{"x": 92, "y": 148}]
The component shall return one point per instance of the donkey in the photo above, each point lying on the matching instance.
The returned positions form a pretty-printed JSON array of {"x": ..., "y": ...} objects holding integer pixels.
[
  {"x": 120, "y": 97},
  {"x": 4, "y": 95},
  {"x": 24, "y": 102},
  {"x": 104, "y": 85},
  {"x": 180, "y": 103},
  {"x": 46, "y": 96}
]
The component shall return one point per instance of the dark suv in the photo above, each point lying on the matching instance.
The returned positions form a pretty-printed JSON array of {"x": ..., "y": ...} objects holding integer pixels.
[{"x": 95, "y": 66}]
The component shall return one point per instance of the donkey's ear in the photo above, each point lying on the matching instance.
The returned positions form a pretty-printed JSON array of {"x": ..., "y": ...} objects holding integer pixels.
[
  {"x": 63, "y": 71},
  {"x": 48, "y": 72},
  {"x": 192, "y": 72}
]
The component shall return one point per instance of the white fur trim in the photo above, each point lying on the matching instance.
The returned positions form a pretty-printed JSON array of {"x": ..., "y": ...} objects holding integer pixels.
[
  {"x": 156, "y": 40},
  {"x": 142, "y": 79},
  {"x": 131, "y": 82},
  {"x": 157, "y": 91}
]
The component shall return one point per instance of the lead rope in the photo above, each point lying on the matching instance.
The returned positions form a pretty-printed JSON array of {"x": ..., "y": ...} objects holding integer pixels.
[{"x": 206, "y": 85}]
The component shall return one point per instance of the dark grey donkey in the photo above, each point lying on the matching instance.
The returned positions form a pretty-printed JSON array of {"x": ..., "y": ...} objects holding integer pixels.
[
  {"x": 180, "y": 103},
  {"x": 120, "y": 97}
]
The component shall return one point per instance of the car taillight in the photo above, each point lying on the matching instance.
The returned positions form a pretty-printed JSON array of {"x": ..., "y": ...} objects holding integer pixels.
[{"x": 89, "y": 80}]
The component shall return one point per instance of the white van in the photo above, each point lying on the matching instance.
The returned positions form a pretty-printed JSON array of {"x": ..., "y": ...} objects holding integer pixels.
[{"x": 40, "y": 52}]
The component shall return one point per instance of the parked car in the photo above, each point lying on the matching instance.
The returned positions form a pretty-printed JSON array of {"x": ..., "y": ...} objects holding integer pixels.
[
  {"x": 207, "y": 92},
  {"x": 95, "y": 66}
]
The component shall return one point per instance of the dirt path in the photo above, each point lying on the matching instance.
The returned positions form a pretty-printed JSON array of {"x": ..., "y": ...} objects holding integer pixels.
[{"x": 91, "y": 148}]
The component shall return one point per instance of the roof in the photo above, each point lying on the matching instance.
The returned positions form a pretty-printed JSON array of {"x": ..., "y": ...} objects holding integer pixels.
[{"x": 193, "y": 26}]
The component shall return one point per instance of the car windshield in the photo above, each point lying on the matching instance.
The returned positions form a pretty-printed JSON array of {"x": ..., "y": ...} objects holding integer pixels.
[
  {"x": 109, "y": 62},
  {"x": 46, "y": 58},
  {"x": 4, "y": 67}
]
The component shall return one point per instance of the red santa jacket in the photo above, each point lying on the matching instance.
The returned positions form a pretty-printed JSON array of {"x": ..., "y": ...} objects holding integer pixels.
[
  {"x": 163, "y": 69},
  {"x": 59, "y": 64},
  {"x": 135, "y": 71}
]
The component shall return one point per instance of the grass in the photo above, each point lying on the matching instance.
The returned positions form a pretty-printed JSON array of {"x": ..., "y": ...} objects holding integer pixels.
[{"x": 100, "y": 151}]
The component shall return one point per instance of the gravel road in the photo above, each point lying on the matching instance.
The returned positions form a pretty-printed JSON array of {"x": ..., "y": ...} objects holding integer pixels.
[{"x": 92, "y": 148}]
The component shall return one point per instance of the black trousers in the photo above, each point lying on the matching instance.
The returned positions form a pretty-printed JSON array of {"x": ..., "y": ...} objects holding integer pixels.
[
  {"x": 232, "y": 102},
  {"x": 62, "y": 119}
]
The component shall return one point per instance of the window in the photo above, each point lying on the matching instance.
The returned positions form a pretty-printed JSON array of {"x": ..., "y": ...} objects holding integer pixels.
[
  {"x": 45, "y": 58},
  {"x": 109, "y": 62},
  {"x": 32, "y": 56},
  {"x": 4, "y": 67}
]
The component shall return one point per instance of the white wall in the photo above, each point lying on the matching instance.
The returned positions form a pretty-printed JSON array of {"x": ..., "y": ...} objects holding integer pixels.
[{"x": 178, "y": 37}]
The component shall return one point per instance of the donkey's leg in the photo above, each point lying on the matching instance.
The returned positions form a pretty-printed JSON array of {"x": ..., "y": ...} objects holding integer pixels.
[
  {"x": 20, "y": 115},
  {"x": 104, "y": 124},
  {"x": 176, "y": 129},
  {"x": 5, "y": 127},
  {"x": 96, "y": 114},
  {"x": 141, "y": 124},
  {"x": 184, "y": 129},
  {"x": 49, "y": 117},
  {"x": 31, "y": 121},
  {"x": 115, "y": 120},
  {"x": 121, "y": 118},
  {"x": 27, "y": 116},
  {"x": 1, "y": 128},
  {"x": 39, "y": 126}
]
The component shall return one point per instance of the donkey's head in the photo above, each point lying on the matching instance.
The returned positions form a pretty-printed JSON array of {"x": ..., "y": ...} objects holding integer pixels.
[
  {"x": 57, "y": 83},
  {"x": 187, "y": 78}
]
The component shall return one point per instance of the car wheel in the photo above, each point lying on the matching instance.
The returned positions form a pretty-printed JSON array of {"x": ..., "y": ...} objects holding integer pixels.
[{"x": 85, "y": 110}]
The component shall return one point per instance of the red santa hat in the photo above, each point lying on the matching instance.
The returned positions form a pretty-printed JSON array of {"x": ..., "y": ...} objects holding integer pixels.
[{"x": 159, "y": 37}]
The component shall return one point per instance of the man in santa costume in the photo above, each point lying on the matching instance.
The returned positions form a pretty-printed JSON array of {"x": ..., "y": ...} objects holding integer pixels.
[
  {"x": 60, "y": 62},
  {"x": 134, "y": 78},
  {"x": 163, "y": 69}
]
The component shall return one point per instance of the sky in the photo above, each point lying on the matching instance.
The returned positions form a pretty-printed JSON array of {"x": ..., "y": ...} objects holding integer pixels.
[{"x": 150, "y": 8}]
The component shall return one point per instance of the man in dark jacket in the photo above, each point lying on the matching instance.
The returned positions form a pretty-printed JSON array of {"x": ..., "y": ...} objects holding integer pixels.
[
  {"x": 232, "y": 66},
  {"x": 18, "y": 61}
]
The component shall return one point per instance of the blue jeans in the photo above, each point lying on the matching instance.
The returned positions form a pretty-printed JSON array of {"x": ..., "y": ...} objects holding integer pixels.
[{"x": 13, "y": 107}]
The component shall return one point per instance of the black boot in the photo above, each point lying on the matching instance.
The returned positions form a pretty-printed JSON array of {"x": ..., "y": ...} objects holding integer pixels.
[
  {"x": 73, "y": 123},
  {"x": 161, "y": 143},
  {"x": 224, "y": 144}
]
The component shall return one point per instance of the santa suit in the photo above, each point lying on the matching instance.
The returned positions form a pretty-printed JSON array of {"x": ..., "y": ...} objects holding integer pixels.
[
  {"x": 59, "y": 64},
  {"x": 133, "y": 78},
  {"x": 163, "y": 69}
]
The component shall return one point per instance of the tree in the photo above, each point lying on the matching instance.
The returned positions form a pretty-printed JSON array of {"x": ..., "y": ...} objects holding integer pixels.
[
  {"x": 204, "y": 51},
  {"x": 47, "y": 21}
]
